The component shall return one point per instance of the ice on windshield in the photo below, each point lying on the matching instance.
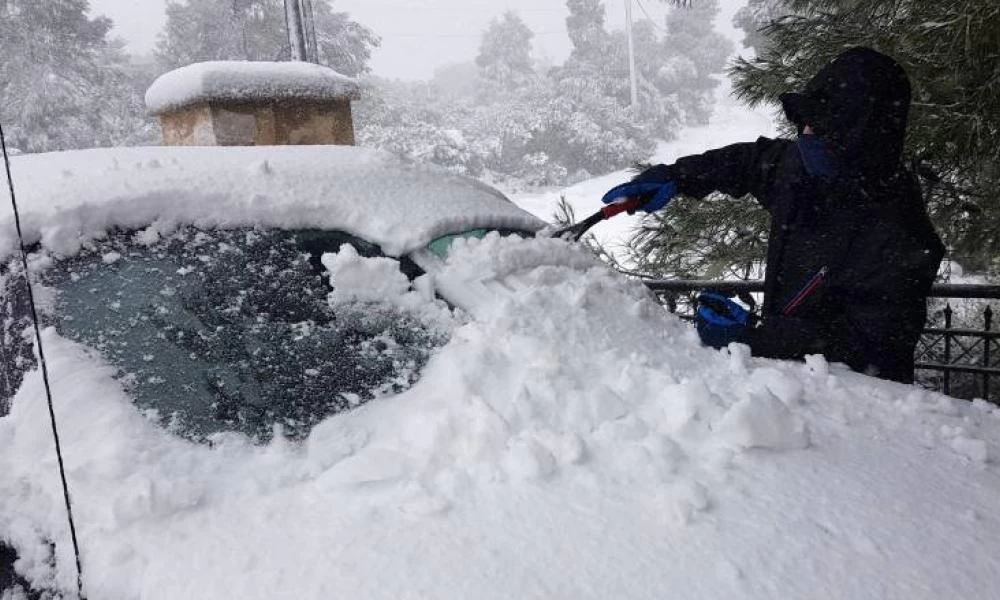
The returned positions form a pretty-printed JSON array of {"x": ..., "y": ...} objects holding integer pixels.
[{"x": 233, "y": 330}]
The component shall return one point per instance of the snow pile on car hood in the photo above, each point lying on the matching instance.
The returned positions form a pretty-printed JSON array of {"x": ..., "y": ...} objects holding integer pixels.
[
  {"x": 67, "y": 198},
  {"x": 572, "y": 440}
]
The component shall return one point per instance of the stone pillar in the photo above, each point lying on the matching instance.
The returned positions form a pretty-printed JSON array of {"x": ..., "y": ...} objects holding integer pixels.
[{"x": 253, "y": 104}]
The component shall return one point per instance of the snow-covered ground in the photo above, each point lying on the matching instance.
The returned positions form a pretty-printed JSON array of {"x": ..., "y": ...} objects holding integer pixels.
[
  {"x": 572, "y": 440},
  {"x": 732, "y": 122}
]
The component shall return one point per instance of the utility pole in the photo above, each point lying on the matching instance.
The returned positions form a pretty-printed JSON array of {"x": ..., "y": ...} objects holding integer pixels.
[
  {"x": 633, "y": 84},
  {"x": 312, "y": 47},
  {"x": 296, "y": 31}
]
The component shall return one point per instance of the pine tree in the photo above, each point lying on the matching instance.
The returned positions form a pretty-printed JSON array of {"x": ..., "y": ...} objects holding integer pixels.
[
  {"x": 202, "y": 30},
  {"x": 691, "y": 41},
  {"x": 754, "y": 17},
  {"x": 714, "y": 238},
  {"x": 505, "y": 51},
  {"x": 950, "y": 50},
  {"x": 585, "y": 26},
  {"x": 63, "y": 83}
]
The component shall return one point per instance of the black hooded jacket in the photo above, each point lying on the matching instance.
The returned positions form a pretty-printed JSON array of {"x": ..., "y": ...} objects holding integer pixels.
[{"x": 850, "y": 258}]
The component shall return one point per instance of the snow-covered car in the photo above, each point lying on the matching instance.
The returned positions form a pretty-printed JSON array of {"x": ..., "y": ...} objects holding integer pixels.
[
  {"x": 199, "y": 275},
  {"x": 541, "y": 427}
]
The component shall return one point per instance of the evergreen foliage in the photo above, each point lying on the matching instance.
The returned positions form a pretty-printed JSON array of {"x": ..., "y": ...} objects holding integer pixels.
[
  {"x": 756, "y": 15},
  {"x": 585, "y": 26},
  {"x": 63, "y": 83},
  {"x": 697, "y": 53},
  {"x": 522, "y": 126},
  {"x": 713, "y": 238},
  {"x": 202, "y": 30},
  {"x": 505, "y": 51}
]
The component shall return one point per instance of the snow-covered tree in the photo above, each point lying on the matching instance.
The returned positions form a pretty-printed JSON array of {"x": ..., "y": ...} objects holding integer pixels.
[
  {"x": 200, "y": 30},
  {"x": 585, "y": 26},
  {"x": 63, "y": 83},
  {"x": 754, "y": 17},
  {"x": 505, "y": 51},
  {"x": 540, "y": 134},
  {"x": 562, "y": 124},
  {"x": 697, "y": 55},
  {"x": 676, "y": 65}
]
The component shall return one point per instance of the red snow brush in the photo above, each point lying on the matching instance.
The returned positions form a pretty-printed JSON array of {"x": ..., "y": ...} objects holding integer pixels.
[{"x": 575, "y": 232}]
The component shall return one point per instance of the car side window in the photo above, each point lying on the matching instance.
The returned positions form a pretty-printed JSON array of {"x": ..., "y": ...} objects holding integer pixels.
[
  {"x": 231, "y": 330},
  {"x": 16, "y": 348}
]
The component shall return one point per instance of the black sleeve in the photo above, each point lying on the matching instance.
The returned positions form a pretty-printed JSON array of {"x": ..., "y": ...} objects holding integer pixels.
[{"x": 735, "y": 170}]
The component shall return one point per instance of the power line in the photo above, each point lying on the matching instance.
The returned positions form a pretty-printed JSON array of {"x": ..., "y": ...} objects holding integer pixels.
[
  {"x": 409, "y": 6},
  {"x": 456, "y": 35}
]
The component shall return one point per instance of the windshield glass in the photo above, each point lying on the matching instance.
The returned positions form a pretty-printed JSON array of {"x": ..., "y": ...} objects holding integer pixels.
[
  {"x": 442, "y": 245},
  {"x": 233, "y": 330}
]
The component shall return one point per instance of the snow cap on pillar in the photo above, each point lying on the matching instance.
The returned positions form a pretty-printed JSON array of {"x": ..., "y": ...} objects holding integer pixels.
[{"x": 240, "y": 103}]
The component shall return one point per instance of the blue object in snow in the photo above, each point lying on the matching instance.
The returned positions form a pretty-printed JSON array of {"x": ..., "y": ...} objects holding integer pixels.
[
  {"x": 659, "y": 193},
  {"x": 720, "y": 320}
]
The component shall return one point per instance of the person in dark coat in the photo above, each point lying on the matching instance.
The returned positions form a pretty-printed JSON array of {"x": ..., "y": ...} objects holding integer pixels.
[{"x": 852, "y": 254}]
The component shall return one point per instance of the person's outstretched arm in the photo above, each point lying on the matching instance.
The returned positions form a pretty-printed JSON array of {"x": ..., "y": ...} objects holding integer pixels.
[{"x": 735, "y": 170}]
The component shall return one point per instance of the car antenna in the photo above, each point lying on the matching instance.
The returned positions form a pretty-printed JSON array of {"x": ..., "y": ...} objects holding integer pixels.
[{"x": 45, "y": 370}]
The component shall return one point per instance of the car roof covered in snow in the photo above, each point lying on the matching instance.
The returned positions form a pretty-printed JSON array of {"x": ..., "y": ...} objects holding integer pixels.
[
  {"x": 244, "y": 81},
  {"x": 68, "y": 198}
]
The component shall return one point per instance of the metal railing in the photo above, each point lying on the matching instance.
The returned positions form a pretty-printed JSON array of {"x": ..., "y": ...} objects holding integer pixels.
[{"x": 963, "y": 360}]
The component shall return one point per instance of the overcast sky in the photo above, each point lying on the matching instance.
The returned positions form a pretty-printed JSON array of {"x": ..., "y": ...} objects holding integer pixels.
[{"x": 417, "y": 35}]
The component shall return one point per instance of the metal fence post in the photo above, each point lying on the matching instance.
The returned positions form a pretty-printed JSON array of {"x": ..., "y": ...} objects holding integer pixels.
[
  {"x": 946, "y": 387},
  {"x": 987, "y": 326}
]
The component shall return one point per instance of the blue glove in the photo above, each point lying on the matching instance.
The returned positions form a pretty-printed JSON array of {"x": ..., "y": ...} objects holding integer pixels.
[
  {"x": 656, "y": 195},
  {"x": 721, "y": 321}
]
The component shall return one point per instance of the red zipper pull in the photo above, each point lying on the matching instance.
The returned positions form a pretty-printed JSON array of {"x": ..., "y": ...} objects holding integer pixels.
[{"x": 807, "y": 290}]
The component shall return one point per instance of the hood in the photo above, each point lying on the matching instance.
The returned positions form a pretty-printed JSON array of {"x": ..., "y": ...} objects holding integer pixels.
[{"x": 859, "y": 102}]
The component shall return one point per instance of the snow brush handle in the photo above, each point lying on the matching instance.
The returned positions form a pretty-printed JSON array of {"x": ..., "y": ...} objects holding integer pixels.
[
  {"x": 575, "y": 232},
  {"x": 634, "y": 203}
]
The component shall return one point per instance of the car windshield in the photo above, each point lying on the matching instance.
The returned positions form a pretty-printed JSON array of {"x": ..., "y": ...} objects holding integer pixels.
[
  {"x": 233, "y": 331},
  {"x": 442, "y": 245}
]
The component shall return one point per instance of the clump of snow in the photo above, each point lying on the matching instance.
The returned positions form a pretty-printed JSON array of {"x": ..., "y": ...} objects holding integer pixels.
[
  {"x": 245, "y": 81},
  {"x": 974, "y": 449},
  {"x": 762, "y": 421},
  {"x": 358, "y": 279},
  {"x": 373, "y": 195},
  {"x": 510, "y": 256},
  {"x": 572, "y": 439}
]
